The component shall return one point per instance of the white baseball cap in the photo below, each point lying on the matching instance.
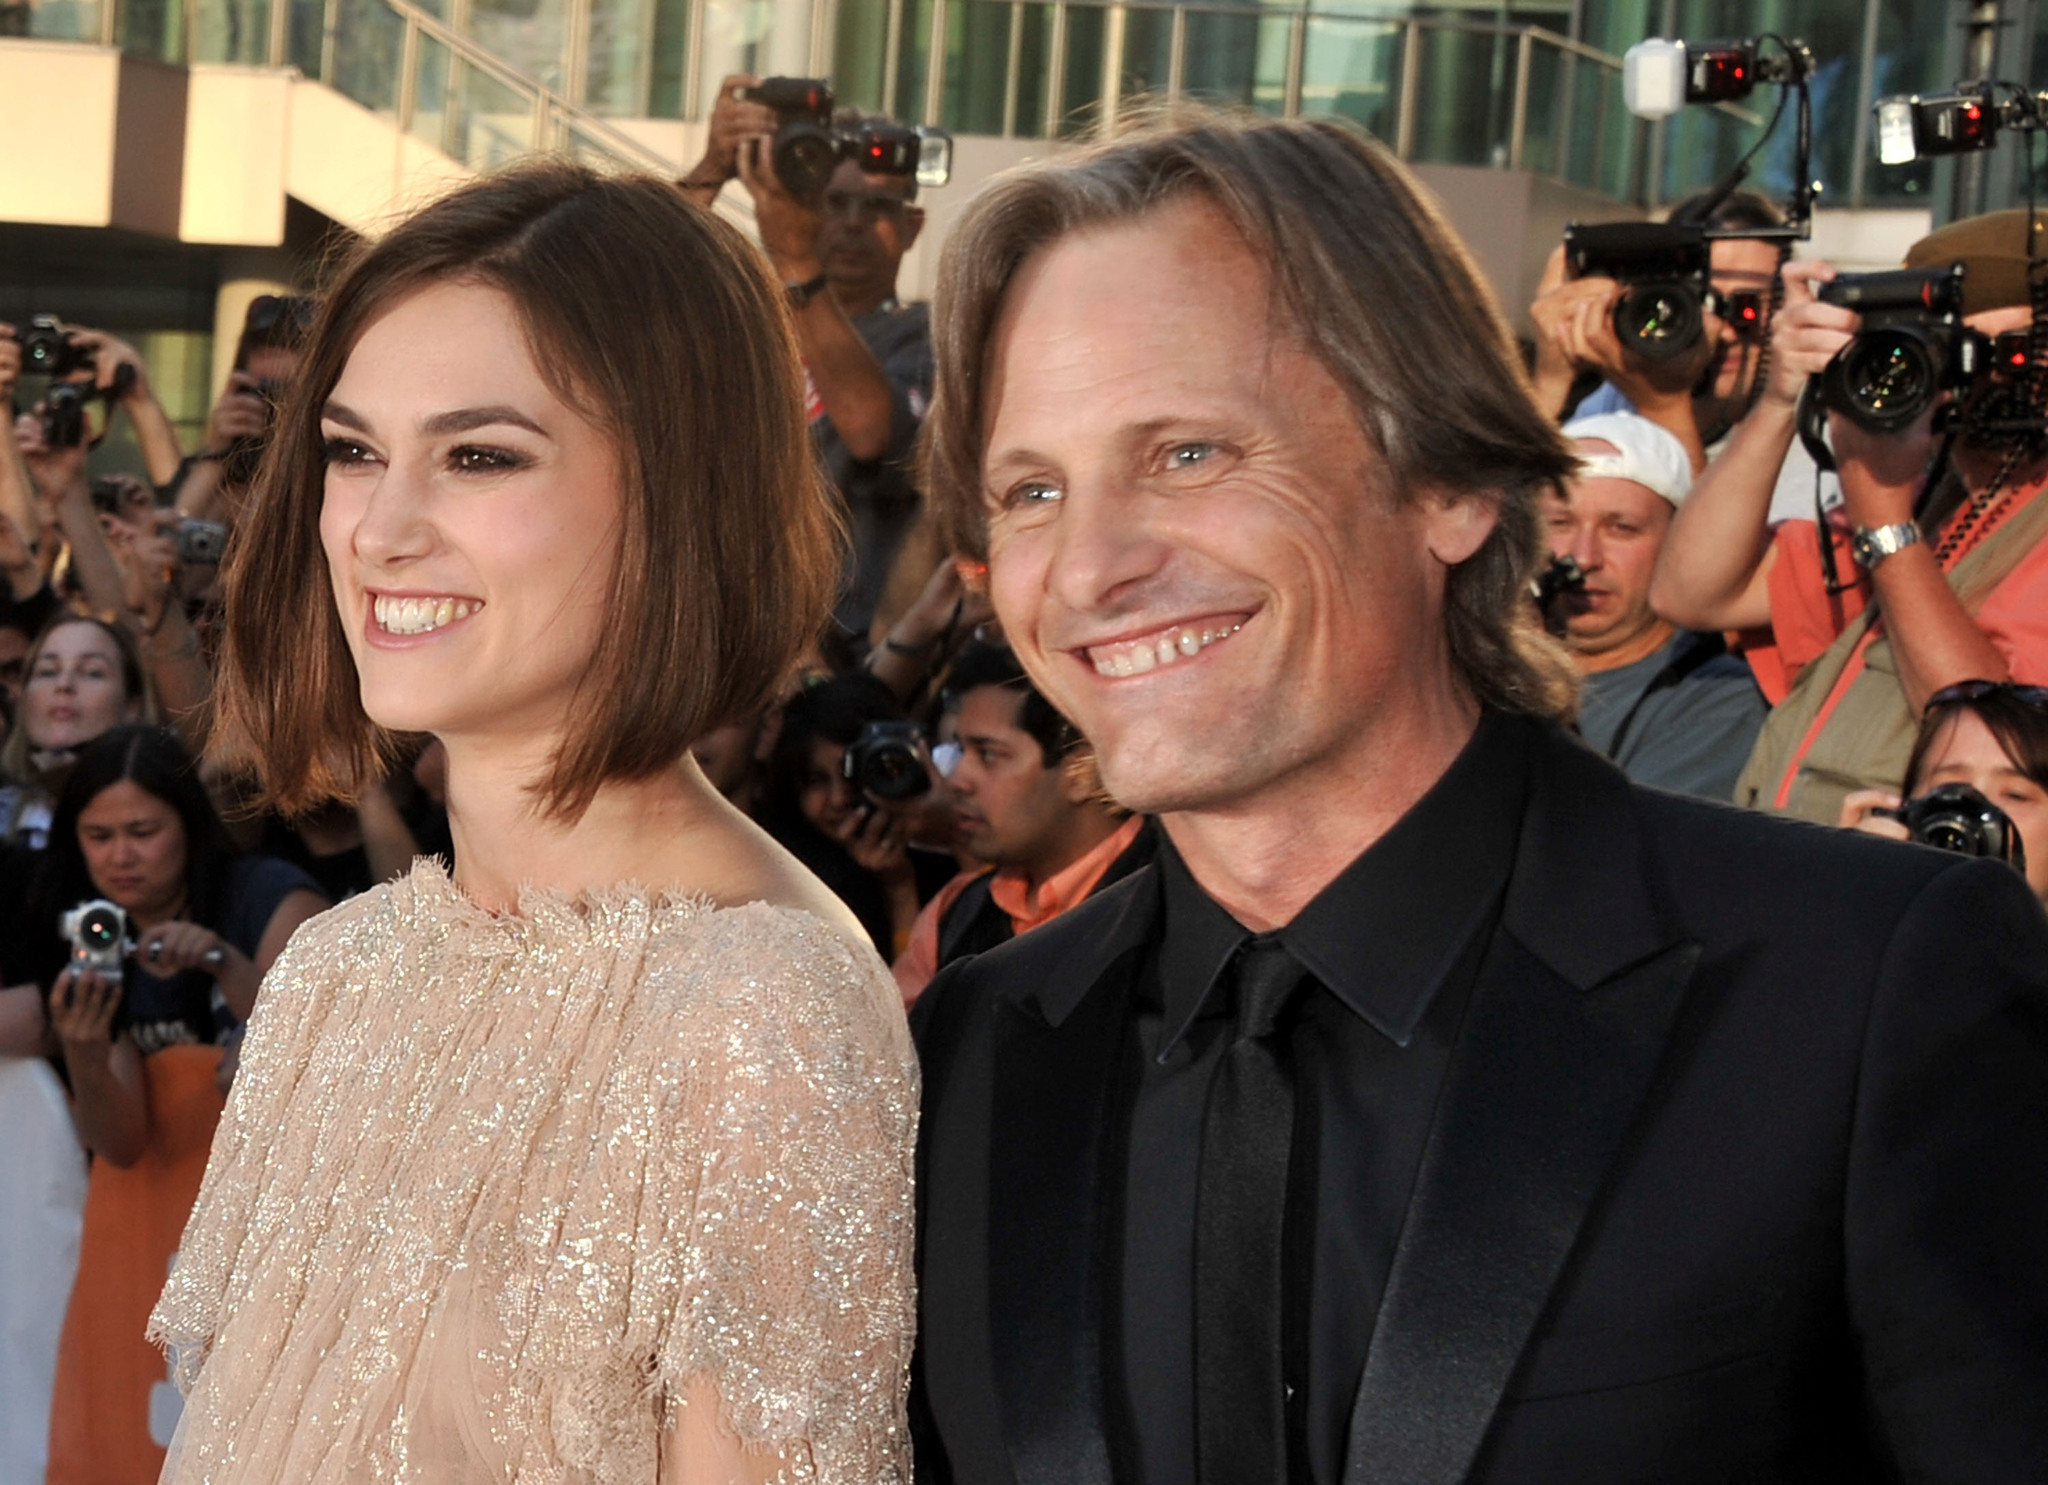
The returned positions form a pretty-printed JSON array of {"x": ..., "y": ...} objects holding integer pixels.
[{"x": 1645, "y": 452}]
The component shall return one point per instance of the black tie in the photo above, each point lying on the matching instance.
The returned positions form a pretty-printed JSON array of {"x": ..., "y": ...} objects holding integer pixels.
[{"x": 1240, "y": 1211}]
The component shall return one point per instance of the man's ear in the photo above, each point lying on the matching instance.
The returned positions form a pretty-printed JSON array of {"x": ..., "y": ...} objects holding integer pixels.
[{"x": 1456, "y": 525}]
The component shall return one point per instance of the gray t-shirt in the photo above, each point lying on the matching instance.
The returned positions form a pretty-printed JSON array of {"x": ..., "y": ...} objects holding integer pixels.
[
  {"x": 880, "y": 495},
  {"x": 1682, "y": 719}
]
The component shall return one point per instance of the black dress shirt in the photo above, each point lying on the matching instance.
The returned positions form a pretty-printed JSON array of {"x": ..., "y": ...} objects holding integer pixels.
[{"x": 1392, "y": 946}]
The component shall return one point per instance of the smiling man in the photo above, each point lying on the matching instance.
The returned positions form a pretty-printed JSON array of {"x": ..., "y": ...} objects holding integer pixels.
[
  {"x": 1439, "y": 1106},
  {"x": 1672, "y": 708}
]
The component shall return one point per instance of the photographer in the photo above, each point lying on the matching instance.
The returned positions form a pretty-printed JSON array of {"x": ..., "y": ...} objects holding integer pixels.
[
  {"x": 1698, "y": 395},
  {"x": 113, "y": 370},
  {"x": 1031, "y": 811},
  {"x": 859, "y": 845},
  {"x": 1670, "y": 706},
  {"x": 1991, "y": 736},
  {"x": 211, "y": 484},
  {"x": 869, "y": 355},
  {"x": 142, "y": 1051},
  {"x": 1952, "y": 583}
]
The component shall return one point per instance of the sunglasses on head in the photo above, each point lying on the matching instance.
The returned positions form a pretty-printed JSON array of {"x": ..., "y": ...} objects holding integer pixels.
[{"x": 1964, "y": 691}]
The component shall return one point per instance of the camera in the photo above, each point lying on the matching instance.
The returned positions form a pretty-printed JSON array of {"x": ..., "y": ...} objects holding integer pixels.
[
  {"x": 1561, "y": 576},
  {"x": 244, "y": 451},
  {"x": 885, "y": 762},
  {"x": 1955, "y": 817},
  {"x": 1662, "y": 267},
  {"x": 1912, "y": 127},
  {"x": 64, "y": 419},
  {"x": 98, "y": 931},
  {"x": 200, "y": 541},
  {"x": 1912, "y": 346},
  {"x": 808, "y": 146}
]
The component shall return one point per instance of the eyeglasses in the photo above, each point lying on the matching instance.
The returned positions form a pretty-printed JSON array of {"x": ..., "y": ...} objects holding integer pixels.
[{"x": 1964, "y": 691}]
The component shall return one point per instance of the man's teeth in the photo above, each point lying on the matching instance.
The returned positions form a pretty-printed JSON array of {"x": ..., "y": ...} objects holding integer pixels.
[
  {"x": 419, "y": 615},
  {"x": 1150, "y": 654}
]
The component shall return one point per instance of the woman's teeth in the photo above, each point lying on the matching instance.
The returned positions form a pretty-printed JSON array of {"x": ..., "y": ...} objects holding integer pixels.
[
  {"x": 420, "y": 615},
  {"x": 1137, "y": 657}
]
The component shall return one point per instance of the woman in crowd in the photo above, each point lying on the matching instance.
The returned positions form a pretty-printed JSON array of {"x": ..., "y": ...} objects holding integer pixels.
[
  {"x": 591, "y": 1162},
  {"x": 857, "y": 846},
  {"x": 142, "y": 1050},
  {"x": 1991, "y": 735},
  {"x": 83, "y": 677}
]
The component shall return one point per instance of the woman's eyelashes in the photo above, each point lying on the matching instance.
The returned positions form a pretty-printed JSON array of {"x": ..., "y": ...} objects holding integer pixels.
[{"x": 468, "y": 458}]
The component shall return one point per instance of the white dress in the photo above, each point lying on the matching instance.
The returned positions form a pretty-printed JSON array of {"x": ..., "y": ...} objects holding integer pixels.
[{"x": 498, "y": 1197}]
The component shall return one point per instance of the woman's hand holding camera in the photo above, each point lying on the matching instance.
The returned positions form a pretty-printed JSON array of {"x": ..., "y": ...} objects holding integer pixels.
[
  {"x": 878, "y": 838},
  {"x": 82, "y": 1006},
  {"x": 172, "y": 947},
  {"x": 1860, "y": 812}
]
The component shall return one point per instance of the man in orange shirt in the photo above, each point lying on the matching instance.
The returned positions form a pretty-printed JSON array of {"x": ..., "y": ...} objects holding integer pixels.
[
  {"x": 1029, "y": 808},
  {"x": 1931, "y": 591}
]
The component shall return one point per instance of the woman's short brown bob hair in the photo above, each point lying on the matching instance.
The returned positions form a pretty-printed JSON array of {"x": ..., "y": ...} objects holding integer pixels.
[
  {"x": 661, "y": 325},
  {"x": 1365, "y": 272}
]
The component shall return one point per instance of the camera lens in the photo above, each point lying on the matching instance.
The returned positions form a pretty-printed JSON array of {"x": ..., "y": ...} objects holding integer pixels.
[
  {"x": 893, "y": 771},
  {"x": 1658, "y": 320},
  {"x": 1886, "y": 379},
  {"x": 100, "y": 929},
  {"x": 805, "y": 157},
  {"x": 1953, "y": 835}
]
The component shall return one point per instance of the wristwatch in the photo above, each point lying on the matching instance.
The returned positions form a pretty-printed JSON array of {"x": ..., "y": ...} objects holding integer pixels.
[
  {"x": 1870, "y": 545},
  {"x": 803, "y": 293}
]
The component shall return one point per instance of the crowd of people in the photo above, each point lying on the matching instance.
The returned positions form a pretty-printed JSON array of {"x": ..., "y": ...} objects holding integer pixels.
[{"x": 1727, "y": 618}]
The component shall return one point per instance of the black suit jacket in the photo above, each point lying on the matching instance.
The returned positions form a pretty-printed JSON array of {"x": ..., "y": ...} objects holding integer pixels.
[{"x": 1739, "y": 1172}]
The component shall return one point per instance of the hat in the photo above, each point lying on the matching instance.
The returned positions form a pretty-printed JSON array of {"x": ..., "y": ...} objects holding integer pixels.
[
  {"x": 1646, "y": 452},
  {"x": 1993, "y": 251}
]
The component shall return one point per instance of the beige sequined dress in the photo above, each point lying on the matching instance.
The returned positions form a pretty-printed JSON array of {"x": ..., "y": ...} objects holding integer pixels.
[{"x": 531, "y": 1197}]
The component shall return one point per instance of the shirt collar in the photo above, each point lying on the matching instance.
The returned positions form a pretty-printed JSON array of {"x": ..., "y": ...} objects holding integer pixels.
[
  {"x": 1384, "y": 934},
  {"x": 1012, "y": 892}
]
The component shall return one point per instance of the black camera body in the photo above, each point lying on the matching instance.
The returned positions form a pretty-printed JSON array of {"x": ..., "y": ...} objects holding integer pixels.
[
  {"x": 808, "y": 147},
  {"x": 64, "y": 419},
  {"x": 1663, "y": 269},
  {"x": 1912, "y": 346},
  {"x": 47, "y": 349},
  {"x": 885, "y": 762},
  {"x": 1955, "y": 817},
  {"x": 200, "y": 541}
]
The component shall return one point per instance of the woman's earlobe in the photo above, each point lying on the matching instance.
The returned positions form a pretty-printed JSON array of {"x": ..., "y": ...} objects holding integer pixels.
[{"x": 1457, "y": 526}]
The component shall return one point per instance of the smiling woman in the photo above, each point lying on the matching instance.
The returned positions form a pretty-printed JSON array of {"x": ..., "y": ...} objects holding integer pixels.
[{"x": 593, "y": 1162}]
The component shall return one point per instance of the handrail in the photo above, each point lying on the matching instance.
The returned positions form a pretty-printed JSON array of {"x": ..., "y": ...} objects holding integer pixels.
[{"x": 555, "y": 114}]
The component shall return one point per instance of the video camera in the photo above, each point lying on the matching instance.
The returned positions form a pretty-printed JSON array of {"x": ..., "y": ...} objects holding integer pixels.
[
  {"x": 98, "y": 932},
  {"x": 1664, "y": 267},
  {"x": 808, "y": 146}
]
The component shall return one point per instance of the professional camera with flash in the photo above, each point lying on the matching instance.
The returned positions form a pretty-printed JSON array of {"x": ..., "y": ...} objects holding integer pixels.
[
  {"x": 1911, "y": 347},
  {"x": 1664, "y": 267},
  {"x": 48, "y": 349},
  {"x": 808, "y": 146},
  {"x": 98, "y": 931}
]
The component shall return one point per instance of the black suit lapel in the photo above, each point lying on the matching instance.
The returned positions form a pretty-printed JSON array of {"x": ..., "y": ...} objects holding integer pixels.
[
  {"x": 1051, "y": 1177},
  {"x": 1568, "y": 1021}
]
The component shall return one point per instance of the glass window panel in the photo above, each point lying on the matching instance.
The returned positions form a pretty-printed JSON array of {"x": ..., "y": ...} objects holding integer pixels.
[
  {"x": 232, "y": 31},
  {"x": 735, "y": 33},
  {"x": 1148, "y": 55},
  {"x": 1352, "y": 68},
  {"x": 912, "y": 50},
  {"x": 1034, "y": 69},
  {"x": 977, "y": 65},
  {"x": 1221, "y": 56},
  {"x": 860, "y": 53},
  {"x": 151, "y": 28},
  {"x": 671, "y": 53},
  {"x": 620, "y": 48},
  {"x": 52, "y": 20},
  {"x": 305, "y": 41},
  {"x": 1269, "y": 85},
  {"x": 1081, "y": 78},
  {"x": 528, "y": 34},
  {"x": 369, "y": 39},
  {"x": 430, "y": 94},
  {"x": 492, "y": 123}
]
